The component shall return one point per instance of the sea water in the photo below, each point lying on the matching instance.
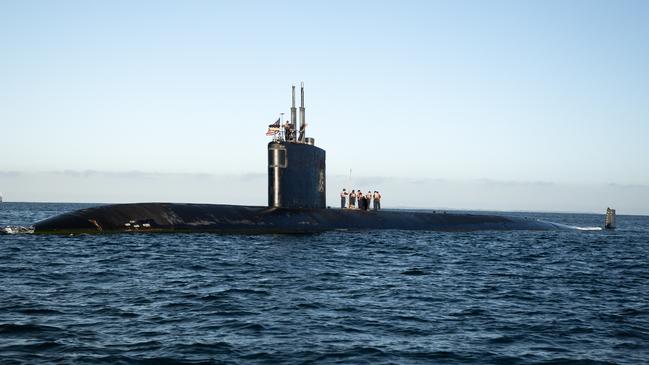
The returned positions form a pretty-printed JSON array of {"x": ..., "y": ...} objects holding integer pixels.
[{"x": 373, "y": 297}]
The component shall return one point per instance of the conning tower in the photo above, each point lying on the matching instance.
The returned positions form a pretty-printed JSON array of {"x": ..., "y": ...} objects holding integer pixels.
[{"x": 296, "y": 167}]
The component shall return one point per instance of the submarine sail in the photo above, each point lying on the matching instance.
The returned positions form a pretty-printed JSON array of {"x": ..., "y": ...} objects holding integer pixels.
[
  {"x": 296, "y": 175},
  {"x": 296, "y": 170}
]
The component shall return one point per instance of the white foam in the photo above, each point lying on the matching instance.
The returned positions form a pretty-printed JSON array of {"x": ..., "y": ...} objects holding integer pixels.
[
  {"x": 16, "y": 230},
  {"x": 589, "y": 228},
  {"x": 565, "y": 226}
]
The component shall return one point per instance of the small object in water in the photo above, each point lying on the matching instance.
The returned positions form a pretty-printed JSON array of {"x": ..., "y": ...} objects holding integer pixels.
[{"x": 610, "y": 219}]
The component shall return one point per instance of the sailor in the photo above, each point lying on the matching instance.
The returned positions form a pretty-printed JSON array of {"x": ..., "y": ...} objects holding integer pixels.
[
  {"x": 377, "y": 200},
  {"x": 288, "y": 131},
  {"x": 368, "y": 198},
  {"x": 352, "y": 200},
  {"x": 343, "y": 197}
]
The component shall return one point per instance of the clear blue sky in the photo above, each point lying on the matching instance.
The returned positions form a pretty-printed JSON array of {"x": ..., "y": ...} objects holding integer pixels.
[{"x": 549, "y": 91}]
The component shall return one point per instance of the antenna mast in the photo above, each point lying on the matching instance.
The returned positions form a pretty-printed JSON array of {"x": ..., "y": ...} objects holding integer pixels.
[
  {"x": 302, "y": 120},
  {"x": 293, "y": 114}
]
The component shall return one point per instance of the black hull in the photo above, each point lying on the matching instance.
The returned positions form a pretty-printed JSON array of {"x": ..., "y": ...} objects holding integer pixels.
[{"x": 170, "y": 217}]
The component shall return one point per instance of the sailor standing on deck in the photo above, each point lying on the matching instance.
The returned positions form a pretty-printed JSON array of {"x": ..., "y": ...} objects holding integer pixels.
[
  {"x": 368, "y": 198},
  {"x": 377, "y": 200},
  {"x": 343, "y": 197},
  {"x": 360, "y": 199},
  {"x": 352, "y": 200}
]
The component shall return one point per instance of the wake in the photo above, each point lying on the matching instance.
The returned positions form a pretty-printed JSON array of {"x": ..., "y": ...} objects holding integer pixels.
[
  {"x": 565, "y": 226},
  {"x": 16, "y": 230}
]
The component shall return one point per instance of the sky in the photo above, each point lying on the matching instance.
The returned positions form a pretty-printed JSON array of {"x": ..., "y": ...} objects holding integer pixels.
[{"x": 498, "y": 105}]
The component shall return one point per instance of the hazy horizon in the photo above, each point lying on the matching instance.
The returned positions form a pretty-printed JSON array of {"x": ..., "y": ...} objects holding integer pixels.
[{"x": 399, "y": 193}]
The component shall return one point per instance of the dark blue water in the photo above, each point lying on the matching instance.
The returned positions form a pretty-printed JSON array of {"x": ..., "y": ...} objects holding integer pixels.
[{"x": 565, "y": 297}]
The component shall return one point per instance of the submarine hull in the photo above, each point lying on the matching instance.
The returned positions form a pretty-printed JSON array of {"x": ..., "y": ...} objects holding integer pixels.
[{"x": 173, "y": 217}]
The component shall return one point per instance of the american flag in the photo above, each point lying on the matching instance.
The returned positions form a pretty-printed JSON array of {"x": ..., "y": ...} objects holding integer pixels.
[{"x": 273, "y": 128}]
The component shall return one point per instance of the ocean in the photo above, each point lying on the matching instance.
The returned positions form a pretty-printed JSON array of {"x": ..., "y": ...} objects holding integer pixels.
[{"x": 367, "y": 297}]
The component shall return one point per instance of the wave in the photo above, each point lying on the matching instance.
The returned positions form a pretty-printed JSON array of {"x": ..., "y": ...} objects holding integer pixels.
[
  {"x": 17, "y": 230},
  {"x": 589, "y": 228},
  {"x": 17, "y": 328},
  {"x": 566, "y": 226}
]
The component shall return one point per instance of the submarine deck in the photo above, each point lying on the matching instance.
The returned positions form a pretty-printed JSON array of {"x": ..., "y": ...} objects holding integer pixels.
[{"x": 218, "y": 218}]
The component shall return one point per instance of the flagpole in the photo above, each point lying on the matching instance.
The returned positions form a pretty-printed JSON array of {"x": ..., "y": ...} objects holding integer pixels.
[{"x": 281, "y": 122}]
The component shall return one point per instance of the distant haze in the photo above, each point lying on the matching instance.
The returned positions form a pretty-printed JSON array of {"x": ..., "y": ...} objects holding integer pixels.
[
  {"x": 504, "y": 105},
  {"x": 250, "y": 189}
]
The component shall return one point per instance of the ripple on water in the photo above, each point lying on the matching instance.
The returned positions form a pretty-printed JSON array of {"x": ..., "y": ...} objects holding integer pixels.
[{"x": 339, "y": 297}]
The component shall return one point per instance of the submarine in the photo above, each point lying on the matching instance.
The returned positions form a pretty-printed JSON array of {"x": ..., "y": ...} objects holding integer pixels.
[{"x": 296, "y": 203}]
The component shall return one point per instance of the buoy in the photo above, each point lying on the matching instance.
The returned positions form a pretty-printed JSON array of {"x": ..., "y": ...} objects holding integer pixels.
[{"x": 610, "y": 219}]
